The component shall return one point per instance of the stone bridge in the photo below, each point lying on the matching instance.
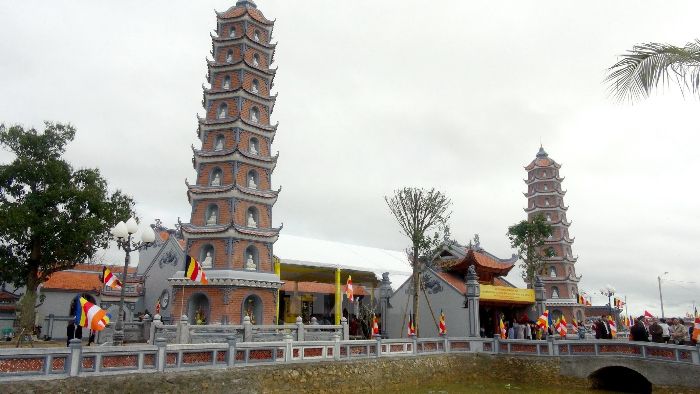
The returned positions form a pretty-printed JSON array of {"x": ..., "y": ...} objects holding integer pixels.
[{"x": 638, "y": 365}]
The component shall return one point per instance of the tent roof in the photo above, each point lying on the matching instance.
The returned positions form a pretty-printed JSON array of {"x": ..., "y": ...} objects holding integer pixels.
[{"x": 315, "y": 260}]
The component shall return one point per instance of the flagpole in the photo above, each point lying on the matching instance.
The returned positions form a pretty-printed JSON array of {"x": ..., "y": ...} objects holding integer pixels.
[
  {"x": 627, "y": 312},
  {"x": 182, "y": 298}
]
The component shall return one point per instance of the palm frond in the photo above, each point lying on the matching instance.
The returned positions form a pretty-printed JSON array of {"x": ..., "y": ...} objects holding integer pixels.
[{"x": 642, "y": 69}]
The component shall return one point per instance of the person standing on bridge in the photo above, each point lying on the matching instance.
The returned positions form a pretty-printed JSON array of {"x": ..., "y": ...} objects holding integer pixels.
[
  {"x": 667, "y": 330},
  {"x": 679, "y": 334},
  {"x": 656, "y": 331},
  {"x": 639, "y": 331}
]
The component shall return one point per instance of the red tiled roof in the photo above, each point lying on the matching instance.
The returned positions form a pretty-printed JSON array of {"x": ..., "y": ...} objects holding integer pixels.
[
  {"x": 118, "y": 269},
  {"x": 322, "y": 288},
  {"x": 454, "y": 281},
  {"x": 73, "y": 280}
]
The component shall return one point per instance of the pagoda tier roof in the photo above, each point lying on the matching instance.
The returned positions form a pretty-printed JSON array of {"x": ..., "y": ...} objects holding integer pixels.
[
  {"x": 230, "y": 122},
  {"x": 236, "y": 123},
  {"x": 235, "y": 154},
  {"x": 571, "y": 278},
  {"x": 559, "y": 222},
  {"x": 214, "y": 94},
  {"x": 563, "y": 238},
  {"x": 230, "y": 277},
  {"x": 218, "y": 66},
  {"x": 538, "y": 207},
  {"x": 243, "y": 8},
  {"x": 268, "y": 101},
  {"x": 231, "y": 230},
  {"x": 232, "y": 190},
  {"x": 265, "y": 46},
  {"x": 536, "y": 178},
  {"x": 561, "y": 259},
  {"x": 544, "y": 162},
  {"x": 545, "y": 193}
]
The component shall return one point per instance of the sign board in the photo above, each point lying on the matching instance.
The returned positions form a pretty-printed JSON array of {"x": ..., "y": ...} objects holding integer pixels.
[{"x": 507, "y": 294}]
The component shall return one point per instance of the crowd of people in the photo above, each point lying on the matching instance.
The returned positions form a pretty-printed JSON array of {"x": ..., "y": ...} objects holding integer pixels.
[{"x": 659, "y": 331}]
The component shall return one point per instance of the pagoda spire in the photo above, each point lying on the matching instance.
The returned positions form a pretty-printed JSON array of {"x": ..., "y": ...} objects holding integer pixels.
[
  {"x": 545, "y": 197},
  {"x": 230, "y": 231}
]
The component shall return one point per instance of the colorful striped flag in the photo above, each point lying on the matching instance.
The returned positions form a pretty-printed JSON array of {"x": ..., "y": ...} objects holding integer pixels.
[
  {"x": 560, "y": 326},
  {"x": 193, "y": 270},
  {"x": 375, "y": 325},
  {"x": 696, "y": 330},
  {"x": 613, "y": 327},
  {"x": 411, "y": 326},
  {"x": 502, "y": 327},
  {"x": 574, "y": 326},
  {"x": 348, "y": 289},
  {"x": 543, "y": 321},
  {"x": 90, "y": 315},
  {"x": 442, "y": 327},
  {"x": 110, "y": 280}
]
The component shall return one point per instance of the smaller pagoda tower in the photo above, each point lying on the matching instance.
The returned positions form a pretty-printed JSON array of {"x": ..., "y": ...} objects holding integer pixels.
[{"x": 545, "y": 197}]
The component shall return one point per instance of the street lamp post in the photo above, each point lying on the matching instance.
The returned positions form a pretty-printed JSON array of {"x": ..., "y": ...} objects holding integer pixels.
[
  {"x": 122, "y": 232},
  {"x": 661, "y": 297},
  {"x": 608, "y": 291}
]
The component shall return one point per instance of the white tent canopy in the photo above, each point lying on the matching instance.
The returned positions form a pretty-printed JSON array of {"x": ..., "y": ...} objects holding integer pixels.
[{"x": 295, "y": 250}]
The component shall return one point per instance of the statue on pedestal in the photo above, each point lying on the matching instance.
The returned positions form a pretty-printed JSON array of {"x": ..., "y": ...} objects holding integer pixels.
[
  {"x": 212, "y": 218},
  {"x": 251, "y": 183},
  {"x": 251, "y": 220},
  {"x": 250, "y": 263},
  {"x": 207, "y": 263},
  {"x": 217, "y": 180}
]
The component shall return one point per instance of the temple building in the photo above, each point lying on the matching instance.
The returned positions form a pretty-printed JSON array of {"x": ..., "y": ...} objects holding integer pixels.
[
  {"x": 444, "y": 288},
  {"x": 545, "y": 197},
  {"x": 230, "y": 230}
]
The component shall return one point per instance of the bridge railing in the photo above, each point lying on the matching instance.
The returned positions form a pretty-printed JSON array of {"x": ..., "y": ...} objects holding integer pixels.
[{"x": 76, "y": 360}]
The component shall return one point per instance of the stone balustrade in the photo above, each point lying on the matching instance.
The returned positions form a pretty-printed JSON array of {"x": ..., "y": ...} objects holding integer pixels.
[{"x": 76, "y": 360}]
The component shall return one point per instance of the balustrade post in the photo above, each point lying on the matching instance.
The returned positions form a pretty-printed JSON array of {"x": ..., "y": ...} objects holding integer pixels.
[
  {"x": 161, "y": 344},
  {"x": 385, "y": 293},
  {"x": 157, "y": 323},
  {"x": 288, "y": 355},
  {"x": 314, "y": 321},
  {"x": 471, "y": 302},
  {"x": 146, "y": 328},
  {"x": 696, "y": 355},
  {"x": 300, "y": 329},
  {"x": 550, "y": 345},
  {"x": 247, "y": 329},
  {"x": 74, "y": 361},
  {"x": 336, "y": 347},
  {"x": 378, "y": 337},
  {"x": 183, "y": 330},
  {"x": 496, "y": 343},
  {"x": 346, "y": 328},
  {"x": 231, "y": 353},
  {"x": 415, "y": 344}
]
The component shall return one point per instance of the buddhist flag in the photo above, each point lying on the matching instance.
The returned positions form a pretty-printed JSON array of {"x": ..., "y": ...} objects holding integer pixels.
[
  {"x": 442, "y": 327},
  {"x": 375, "y": 325},
  {"x": 502, "y": 327},
  {"x": 90, "y": 315},
  {"x": 560, "y": 326},
  {"x": 543, "y": 321},
  {"x": 411, "y": 325},
  {"x": 348, "y": 289},
  {"x": 110, "y": 280},
  {"x": 696, "y": 330},
  {"x": 613, "y": 327},
  {"x": 574, "y": 325},
  {"x": 194, "y": 271}
]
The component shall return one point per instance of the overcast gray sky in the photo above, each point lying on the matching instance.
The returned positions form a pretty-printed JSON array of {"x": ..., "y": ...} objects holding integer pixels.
[{"x": 376, "y": 95}]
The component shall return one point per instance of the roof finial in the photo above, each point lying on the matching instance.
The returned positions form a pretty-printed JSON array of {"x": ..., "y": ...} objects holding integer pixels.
[
  {"x": 541, "y": 153},
  {"x": 246, "y": 3}
]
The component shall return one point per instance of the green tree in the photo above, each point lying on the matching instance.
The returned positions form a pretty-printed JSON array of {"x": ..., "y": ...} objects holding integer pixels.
[
  {"x": 418, "y": 212},
  {"x": 646, "y": 66},
  {"x": 51, "y": 216},
  {"x": 528, "y": 237}
]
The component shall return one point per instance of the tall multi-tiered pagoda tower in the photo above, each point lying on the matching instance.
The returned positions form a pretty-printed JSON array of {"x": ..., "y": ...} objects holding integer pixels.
[
  {"x": 230, "y": 231},
  {"x": 546, "y": 197}
]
